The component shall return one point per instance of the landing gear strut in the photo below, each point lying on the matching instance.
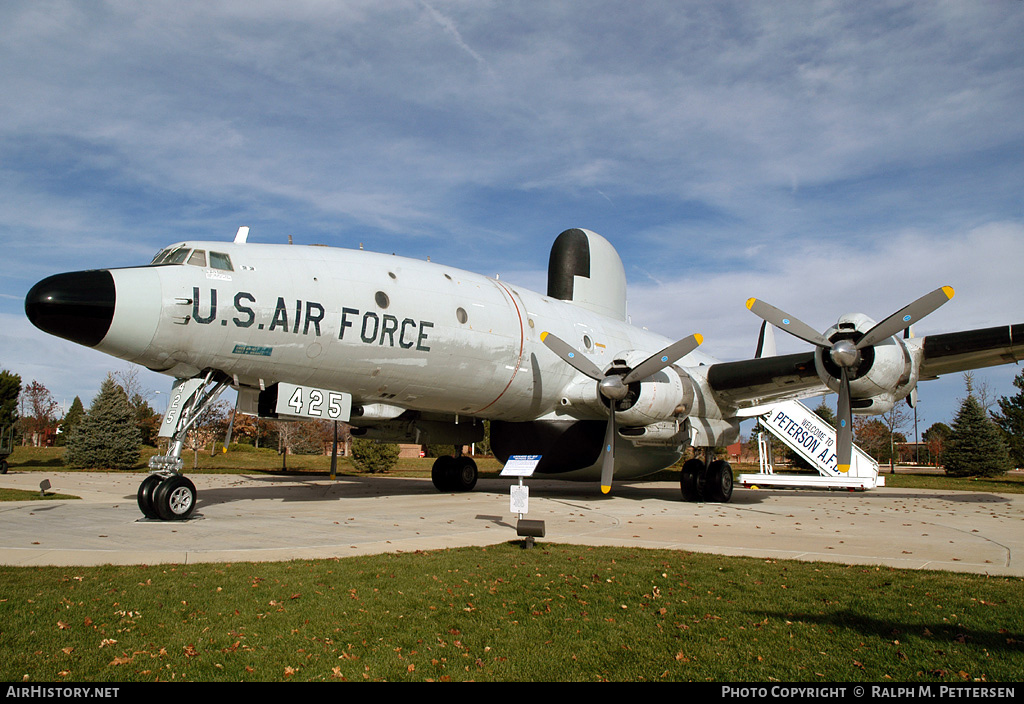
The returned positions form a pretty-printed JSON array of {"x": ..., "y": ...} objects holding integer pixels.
[
  {"x": 457, "y": 473},
  {"x": 166, "y": 494},
  {"x": 711, "y": 482}
]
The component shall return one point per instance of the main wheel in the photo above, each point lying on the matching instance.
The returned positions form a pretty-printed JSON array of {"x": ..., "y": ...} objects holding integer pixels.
[
  {"x": 443, "y": 473},
  {"x": 3, "y": 466},
  {"x": 690, "y": 481},
  {"x": 145, "y": 496},
  {"x": 718, "y": 483},
  {"x": 175, "y": 498},
  {"x": 464, "y": 475}
]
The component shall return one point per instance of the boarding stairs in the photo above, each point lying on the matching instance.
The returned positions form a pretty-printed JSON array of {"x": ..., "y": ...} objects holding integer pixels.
[{"x": 815, "y": 440}]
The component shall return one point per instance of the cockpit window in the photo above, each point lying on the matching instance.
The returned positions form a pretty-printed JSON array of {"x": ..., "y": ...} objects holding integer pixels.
[
  {"x": 161, "y": 255},
  {"x": 193, "y": 257},
  {"x": 219, "y": 260},
  {"x": 178, "y": 256}
]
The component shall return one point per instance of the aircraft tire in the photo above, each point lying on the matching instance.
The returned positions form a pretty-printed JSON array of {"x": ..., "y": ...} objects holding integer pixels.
[
  {"x": 145, "y": 496},
  {"x": 465, "y": 474},
  {"x": 690, "y": 480},
  {"x": 443, "y": 473},
  {"x": 3, "y": 466},
  {"x": 718, "y": 483},
  {"x": 175, "y": 498}
]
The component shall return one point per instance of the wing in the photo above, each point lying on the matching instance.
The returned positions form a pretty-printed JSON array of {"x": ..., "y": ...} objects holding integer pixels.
[
  {"x": 755, "y": 382},
  {"x": 961, "y": 351}
]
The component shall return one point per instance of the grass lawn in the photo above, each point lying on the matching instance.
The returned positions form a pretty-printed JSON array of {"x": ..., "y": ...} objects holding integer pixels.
[{"x": 557, "y": 613}]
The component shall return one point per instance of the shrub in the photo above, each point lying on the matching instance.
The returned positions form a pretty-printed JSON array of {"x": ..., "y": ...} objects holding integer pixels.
[{"x": 374, "y": 457}]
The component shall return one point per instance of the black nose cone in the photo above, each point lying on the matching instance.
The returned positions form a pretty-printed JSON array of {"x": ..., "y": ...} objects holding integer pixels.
[{"x": 78, "y": 306}]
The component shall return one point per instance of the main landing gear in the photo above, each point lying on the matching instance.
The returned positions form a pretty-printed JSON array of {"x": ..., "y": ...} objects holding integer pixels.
[
  {"x": 457, "y": 473},
  {"x": 711, "y": 482},
  {"x": 166, "y": 494}
]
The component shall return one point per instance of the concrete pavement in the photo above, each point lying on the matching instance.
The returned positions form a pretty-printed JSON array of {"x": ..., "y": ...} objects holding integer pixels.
[{"x": 270, "y": 517}]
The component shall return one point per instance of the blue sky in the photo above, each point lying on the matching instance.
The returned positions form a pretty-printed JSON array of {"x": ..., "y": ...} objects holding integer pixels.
[{"x": 826, "y": 157}]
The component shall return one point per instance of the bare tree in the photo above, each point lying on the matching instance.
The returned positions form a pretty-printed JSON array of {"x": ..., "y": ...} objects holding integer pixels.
[
  {"x": 981, "y": 392},
  {"x": 895, "y": 419},
  {"x": 206, "y": 429},
  {"x": 39, "y": 413}
]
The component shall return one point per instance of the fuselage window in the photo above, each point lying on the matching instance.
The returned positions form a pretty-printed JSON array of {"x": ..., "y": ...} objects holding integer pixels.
[
  {"x": 198, "y": 258},
  {"x": 219, "y": 260}
]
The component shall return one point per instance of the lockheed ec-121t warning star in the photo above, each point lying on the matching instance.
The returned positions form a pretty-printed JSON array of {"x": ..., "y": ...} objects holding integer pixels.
[{"x": 413, "y": 351}]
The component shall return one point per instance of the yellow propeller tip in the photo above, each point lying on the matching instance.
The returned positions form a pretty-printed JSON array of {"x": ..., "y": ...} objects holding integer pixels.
[
  {"x": 844, "y": 468},
  {"x": 699, "y": 338},
  {"x": 948, "y": 290},
  {"x": 751, "y": 302},
  {"x": 605, "y": 489},
  {"x": 542, "y": 336}
]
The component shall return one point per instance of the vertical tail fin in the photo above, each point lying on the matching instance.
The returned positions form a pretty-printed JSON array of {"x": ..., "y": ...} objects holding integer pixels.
[{"x": 585, "y": 269}]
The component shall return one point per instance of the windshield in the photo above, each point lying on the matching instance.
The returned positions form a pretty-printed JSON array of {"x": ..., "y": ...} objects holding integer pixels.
[{"x": 192, "y": 257}]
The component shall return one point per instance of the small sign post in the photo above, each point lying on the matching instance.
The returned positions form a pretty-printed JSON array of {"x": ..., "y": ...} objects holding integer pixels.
[{"x": 519, "y": 499}]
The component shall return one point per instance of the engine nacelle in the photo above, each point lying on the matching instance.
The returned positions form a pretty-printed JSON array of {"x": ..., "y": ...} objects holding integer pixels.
[
  {"x": 666, "y": 396},
  {"x": 884, "y": 373}
]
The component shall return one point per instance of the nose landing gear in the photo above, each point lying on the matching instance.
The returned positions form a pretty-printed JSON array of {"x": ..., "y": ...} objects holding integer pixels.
[
  {"x": 170, "y": 497},
  {"x": 166, "y": 494}
]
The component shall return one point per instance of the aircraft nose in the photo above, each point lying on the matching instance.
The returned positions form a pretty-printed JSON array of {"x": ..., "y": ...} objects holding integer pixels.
[{"x": 78, "y": 306}]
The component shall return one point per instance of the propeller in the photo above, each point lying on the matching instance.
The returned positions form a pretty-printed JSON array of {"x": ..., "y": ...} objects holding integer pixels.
[
  {"x": 614, "y": 385},
  {"x": 846, "y": 353}
]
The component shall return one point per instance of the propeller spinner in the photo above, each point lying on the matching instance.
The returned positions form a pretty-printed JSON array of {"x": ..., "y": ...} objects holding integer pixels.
[
  {"x": 846, "y": 353},
  {"x": 614, "y": 385}
]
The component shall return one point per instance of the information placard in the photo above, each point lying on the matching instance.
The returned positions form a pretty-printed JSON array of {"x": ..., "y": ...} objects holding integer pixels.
[
  {"x": 519, "y": 500},
  {"x": 520, "y": 466}
]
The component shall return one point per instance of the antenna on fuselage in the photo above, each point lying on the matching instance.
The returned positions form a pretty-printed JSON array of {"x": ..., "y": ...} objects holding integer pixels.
[{"x": 241, "y": 235}]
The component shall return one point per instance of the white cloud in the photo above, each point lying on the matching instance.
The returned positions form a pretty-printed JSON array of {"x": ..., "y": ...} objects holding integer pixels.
[{"x": 819, "y": 283}]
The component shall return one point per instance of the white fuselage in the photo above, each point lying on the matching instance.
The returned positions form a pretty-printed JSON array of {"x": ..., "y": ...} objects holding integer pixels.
[{"x": 386, "y": 329}]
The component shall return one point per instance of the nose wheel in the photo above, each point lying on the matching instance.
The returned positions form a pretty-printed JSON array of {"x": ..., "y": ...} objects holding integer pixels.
[{"x": 167, "y": 498}]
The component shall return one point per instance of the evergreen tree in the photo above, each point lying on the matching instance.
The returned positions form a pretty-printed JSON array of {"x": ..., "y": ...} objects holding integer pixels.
[
  {"x": 10, "y": 388},
  {"x": 107, "y": 437},
  {"x": 72, "y": 418},
  {"x": 1011, "y": 421},
  {"x": 975, "y": 447}
]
